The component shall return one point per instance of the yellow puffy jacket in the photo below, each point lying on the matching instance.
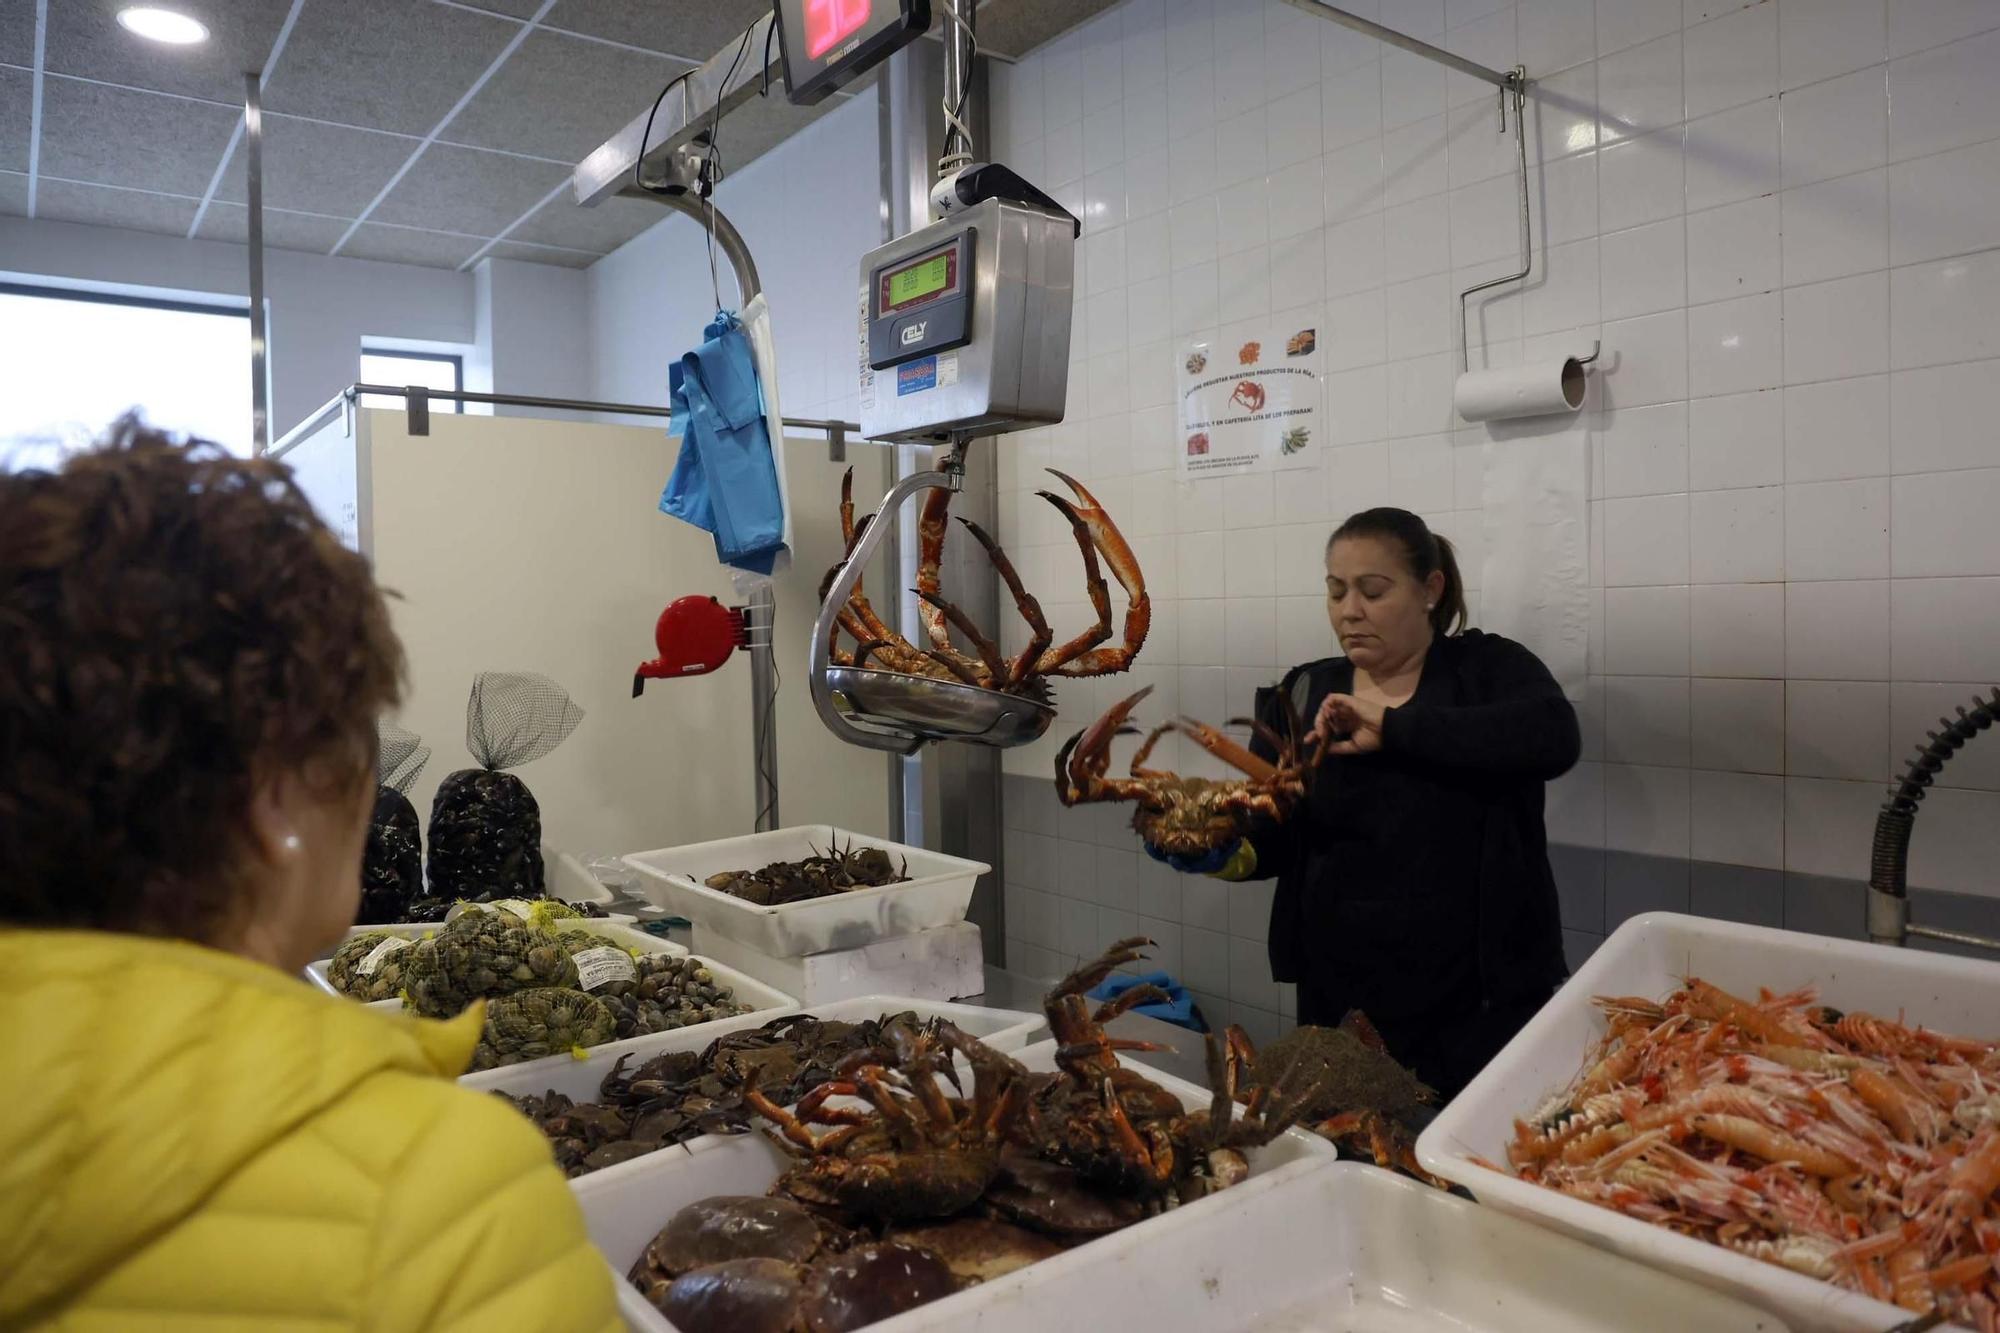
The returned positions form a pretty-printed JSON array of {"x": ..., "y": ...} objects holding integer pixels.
[{"x": 189, "y": 1140}]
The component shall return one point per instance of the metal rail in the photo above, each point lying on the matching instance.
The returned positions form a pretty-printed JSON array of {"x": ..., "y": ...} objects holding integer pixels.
[
  {"x": 260, "y": 375},
  {"x": 684, "y": 113},
  {"x": 1511, "y": 80},
  {"x": 1518, "y": 95}
]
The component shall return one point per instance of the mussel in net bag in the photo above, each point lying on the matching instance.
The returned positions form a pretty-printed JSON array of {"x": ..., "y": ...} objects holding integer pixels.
[
  {"x": 392, "y": 864},
  {"x": 486, "y": 830}
]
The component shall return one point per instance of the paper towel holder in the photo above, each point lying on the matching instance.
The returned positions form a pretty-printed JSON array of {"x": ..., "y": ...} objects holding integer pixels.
[{"x": 1535, "y": 389}]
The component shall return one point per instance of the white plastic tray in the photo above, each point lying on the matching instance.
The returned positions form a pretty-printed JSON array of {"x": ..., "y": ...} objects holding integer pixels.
[
  {"x": 1649, "y": 955},
  {"x": 626, "y": 1207},
  {"x": 1341, "y": 1247},
  {"x": 619, "y": 932},
  {"x": 1002, "y": 1029},
  {"x": 936, "y": 894}
]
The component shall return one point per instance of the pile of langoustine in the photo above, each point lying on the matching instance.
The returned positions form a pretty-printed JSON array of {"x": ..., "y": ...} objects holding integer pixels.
[{"x": 1852, "y": 1148}]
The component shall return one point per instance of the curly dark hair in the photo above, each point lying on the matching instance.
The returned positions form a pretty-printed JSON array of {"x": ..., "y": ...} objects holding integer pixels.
[{"x": 176, "y": 624}]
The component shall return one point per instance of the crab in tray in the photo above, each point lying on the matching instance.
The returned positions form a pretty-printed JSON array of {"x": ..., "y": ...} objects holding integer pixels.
[
  {"x": 1027, "y": 673},
  {"x": 903, "y": 1186},
  {"x": 1188, "y": 816}
]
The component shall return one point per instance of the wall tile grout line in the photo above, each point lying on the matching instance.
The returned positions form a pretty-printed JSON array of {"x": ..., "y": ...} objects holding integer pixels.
[
  {"x": 236, "y": 134},
  {"x": 465, "y": 99}
]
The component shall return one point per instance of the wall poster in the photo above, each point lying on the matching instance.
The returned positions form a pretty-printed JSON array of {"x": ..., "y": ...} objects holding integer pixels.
[{"x": 1251, "y": 405}]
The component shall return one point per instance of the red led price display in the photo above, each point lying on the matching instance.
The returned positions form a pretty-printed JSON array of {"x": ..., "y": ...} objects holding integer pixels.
[{"x": 829, "y": 22}]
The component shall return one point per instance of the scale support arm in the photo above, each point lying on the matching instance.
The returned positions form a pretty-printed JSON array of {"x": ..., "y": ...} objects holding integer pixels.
[{"x": 829, "y": 612}]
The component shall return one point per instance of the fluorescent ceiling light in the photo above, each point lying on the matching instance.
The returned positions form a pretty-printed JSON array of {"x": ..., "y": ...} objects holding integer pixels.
[{"x": 162, "y": 25}]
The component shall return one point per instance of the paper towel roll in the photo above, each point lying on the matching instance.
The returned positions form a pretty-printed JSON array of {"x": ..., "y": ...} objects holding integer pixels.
[{"x": 1542, "y": 389}]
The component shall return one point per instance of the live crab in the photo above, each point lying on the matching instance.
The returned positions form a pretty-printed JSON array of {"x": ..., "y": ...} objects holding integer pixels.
[
  {"x": 1180, "y": 815},
  {"x": 1026, "y": 673}
]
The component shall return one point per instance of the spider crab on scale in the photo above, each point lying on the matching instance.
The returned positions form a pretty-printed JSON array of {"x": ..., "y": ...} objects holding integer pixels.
[{"x": 1026, "y": 673}]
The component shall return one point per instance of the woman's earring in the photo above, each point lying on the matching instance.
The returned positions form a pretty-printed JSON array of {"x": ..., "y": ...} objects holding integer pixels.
[
  {"x": 1430, "y": 606},
  {"x": 291, "y": 842}
]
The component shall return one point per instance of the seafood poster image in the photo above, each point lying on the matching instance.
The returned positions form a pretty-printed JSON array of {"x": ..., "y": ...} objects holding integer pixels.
[{"x": 1251, "y": 404}]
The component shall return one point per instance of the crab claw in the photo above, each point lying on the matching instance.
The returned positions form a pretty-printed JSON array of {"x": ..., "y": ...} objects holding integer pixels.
[{"x": 1087, "y": 755}]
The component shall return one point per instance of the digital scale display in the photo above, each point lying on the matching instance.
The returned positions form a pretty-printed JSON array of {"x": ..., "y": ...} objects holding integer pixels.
[
  {"x": 922, "y": 280},
  {"x": 829, "y": 43}
]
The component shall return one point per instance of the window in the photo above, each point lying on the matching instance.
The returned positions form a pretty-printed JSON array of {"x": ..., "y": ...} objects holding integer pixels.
[
  {"x": 72, "y": 362},
  {"x": 433, "y": 370}
]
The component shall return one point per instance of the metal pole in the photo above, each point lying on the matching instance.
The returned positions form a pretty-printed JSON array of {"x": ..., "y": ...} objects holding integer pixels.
[
  {"x": 1407, "y": 43},
  {"x": 253, "y": 146},
  {"x": 762, "y": 615},
  {"x": 885, "y": 154},
  {"x": 734, "y": 248},
  {"x": 958, "y": 48}
]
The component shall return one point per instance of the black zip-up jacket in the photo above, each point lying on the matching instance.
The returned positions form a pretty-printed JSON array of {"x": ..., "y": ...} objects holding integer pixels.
[{"x": 1415, "y": 880}]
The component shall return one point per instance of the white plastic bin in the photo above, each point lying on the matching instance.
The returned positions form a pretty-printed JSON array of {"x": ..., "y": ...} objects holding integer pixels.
[
  {"x": 1649, "y": 955},
  {"x": 936, "y": 894},
  {"x": 1343, "y": 1247},
  {"x": 1002, "y": 1029},
  {"x": 618, "y": 932},
  {"x": 625, "y": 1208}
]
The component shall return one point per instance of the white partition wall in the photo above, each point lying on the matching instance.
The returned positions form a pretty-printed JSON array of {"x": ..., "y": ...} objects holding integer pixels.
[{"x": 531, "y": 545}]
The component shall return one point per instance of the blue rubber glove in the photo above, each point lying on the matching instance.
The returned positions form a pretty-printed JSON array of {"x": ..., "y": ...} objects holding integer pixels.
[{"x": 1232, "y": 861}]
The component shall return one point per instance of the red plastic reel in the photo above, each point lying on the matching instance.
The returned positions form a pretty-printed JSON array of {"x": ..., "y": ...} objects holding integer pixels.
[{"x": 694, "y": 636}]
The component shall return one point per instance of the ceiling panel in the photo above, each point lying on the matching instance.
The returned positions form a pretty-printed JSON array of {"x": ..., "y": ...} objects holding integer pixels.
[
  {"x": 603, "y": 228},
  {"x": 17, "y": 33},
  {"x": 536, "y": 254},
  {"x": 383, "y": 64},
  {"x": 142, "y": 141},
  {"x": 696, "y": 29},
  {"x": 13, "y": 193},
  {"x": 85, "y": 39},
  {"x": 520, "y": 9},
  {"x": 464, "y": 189},
  {"x": 17, "y": 89},
  {"x": 1016, "y": 27},
  {"x": 317, "y": 168},
  {"x": 561, "y": 97},
  {"x": 406, "y": 245},
  {"x": 104, "y": 206},
  {"x": 282, "y": 230}
]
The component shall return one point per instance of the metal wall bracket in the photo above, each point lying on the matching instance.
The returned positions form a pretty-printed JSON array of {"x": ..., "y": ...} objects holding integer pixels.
[{"x": 417, "y": 405}]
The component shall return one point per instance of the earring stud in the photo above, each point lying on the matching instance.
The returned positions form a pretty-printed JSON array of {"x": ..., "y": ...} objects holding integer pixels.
[{"x": 291, "y": 842}]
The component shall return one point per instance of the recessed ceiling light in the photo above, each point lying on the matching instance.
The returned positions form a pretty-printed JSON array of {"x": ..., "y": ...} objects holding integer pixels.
[{"x": 162, "y": 25}]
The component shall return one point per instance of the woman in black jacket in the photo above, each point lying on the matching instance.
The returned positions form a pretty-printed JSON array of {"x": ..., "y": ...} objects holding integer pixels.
[{"x": 1413, "y": 880}]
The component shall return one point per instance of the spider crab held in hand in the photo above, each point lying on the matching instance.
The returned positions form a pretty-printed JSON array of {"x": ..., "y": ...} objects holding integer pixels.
[
  {"x": 1118, "y": 1128},
  {"x": 1187, "y": 816},
  {"x": 1025, "y": 674}
]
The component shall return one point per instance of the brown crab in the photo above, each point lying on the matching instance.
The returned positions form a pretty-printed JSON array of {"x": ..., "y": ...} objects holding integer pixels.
[
  {"x": 850, "y": 1289},
  {"x": 913, "y": 1152},
  {"x": 1026, "y": 673},
  {"x": 1117, "y": 1127},
  {"x": 1187, "y": 816}
]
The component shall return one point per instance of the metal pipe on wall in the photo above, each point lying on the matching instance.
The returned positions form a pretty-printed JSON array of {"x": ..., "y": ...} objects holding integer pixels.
[{"x": 253, "y": 146}]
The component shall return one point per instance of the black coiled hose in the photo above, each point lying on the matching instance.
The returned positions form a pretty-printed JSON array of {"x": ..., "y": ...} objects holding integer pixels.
[{"x": 1889, "y": 868}]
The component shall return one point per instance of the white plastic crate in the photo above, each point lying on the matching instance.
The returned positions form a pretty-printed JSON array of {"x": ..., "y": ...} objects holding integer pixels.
[
  {"x": 1002, "y": 1029},
  {"x": 619, "y": 932},
  {"x": 936, "y": 894},
  {"x": 1649, "y": 955},
  {"x": 626, "y": 1207},
  {"x": 1344, "y": 1246}
]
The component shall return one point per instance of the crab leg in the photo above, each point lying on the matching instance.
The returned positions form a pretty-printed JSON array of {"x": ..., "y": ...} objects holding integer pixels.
[
  {"x": 858, "y": 617},
  {"x": 1094, "y": 587},
  {"x": 1039, "y": 633},
  {"x": 1084, "y": 759},
  {"x": 930, "y": 557},
  {"x": 1228, "y": 751},
  {"x": 1104, "y": 535},
  {"x": 788, "y": 1124},
  {"x": 1145, "y": 752},
  {"x": 989, "y": 652}
]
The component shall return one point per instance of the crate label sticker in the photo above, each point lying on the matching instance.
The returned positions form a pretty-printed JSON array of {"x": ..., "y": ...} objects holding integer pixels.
[
  {"x": 372, "y": 962},
  {"x": 920, "y": 374},
  {"x": 520, "y": 907},
  {"x": 604, "y": 965},
  {"x": 867, "y": 371}
]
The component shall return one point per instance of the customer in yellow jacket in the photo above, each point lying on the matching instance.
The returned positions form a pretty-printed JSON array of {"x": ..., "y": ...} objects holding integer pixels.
[{"x": 191, "y": 1138}]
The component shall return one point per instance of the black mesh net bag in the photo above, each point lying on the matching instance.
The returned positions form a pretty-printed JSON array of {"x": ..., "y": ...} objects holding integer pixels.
[
  {"x": 486, "y": 830},
  {"x": 392, "y": 867}
]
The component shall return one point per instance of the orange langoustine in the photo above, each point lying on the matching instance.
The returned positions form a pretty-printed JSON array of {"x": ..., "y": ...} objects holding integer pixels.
[{"x": 1846, "y": 1146}]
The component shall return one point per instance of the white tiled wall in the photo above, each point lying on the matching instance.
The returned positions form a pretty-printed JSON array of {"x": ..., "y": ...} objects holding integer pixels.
[{"x": 1783, "y": 221}]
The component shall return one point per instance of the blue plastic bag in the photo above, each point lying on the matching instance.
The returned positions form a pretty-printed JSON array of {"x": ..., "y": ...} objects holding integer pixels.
[
  {"x": 725, "y": 480},
  {"x": 1179, "y": 1010}
]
